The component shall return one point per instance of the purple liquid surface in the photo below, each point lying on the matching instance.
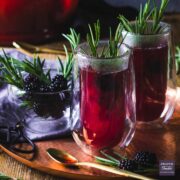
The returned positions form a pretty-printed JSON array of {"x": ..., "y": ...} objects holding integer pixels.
[
  {"x": 151, "y": 81},
  {"x": 102, "y": 107}
]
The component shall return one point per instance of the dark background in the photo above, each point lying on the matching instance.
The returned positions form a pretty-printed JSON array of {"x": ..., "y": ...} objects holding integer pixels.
[{"x": 107, "y": 11}]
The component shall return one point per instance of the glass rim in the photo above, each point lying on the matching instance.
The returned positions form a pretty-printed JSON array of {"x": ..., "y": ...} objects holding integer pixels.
[
  {"x": 39, "y": 93},
  {"x": 47, "y": 93},
  {"x": 166, "y": 32},
  {"x": 92, "y": 58}
]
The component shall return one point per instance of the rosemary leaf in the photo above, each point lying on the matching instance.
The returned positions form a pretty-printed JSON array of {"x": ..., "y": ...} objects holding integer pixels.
[
  {"x": 61, "y": 65},
  {"x": 93, "y": 38},
  {"x": 146, "y": 13},
  {"x": 105, "y": 161},
  {"x": 177, "y": 56},
  {"x": 73, "y": 38},
  {"x": 125, "y": 23}
]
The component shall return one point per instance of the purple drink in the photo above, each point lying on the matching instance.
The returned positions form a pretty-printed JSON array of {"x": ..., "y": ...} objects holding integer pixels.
[
  {"x": 155, "y": 74},
  {"x": 103, "y": 104},
  {"x": 151, "y": 81},
  {"x": 102, "y": 107}
]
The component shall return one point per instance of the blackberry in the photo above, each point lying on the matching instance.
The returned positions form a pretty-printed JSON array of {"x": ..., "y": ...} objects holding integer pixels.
[
  {"x": 58, "y": 78},
  {"x": 39, "y": 109},
  {"x": 44, "y": 88},
  {"x": 31, "y": 83},
  {"x": 30, "y": 87},
  {"x": 59, "y": 83},
  {"x": 127, "y": 164},
  {"x": 30, "y": 78},
  {"x": 145, "y": 158}
]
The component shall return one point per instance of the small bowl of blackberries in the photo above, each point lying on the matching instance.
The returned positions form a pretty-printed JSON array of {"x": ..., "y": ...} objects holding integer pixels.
[
  {"x": 46, "y": 99},
  {"x": 43, "y": 91}
]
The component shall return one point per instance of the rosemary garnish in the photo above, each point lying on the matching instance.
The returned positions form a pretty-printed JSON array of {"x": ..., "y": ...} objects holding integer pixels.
[
  {"x": 146, "y": 13},
  {"x": 93, "y": 41},
  {"x": 114, "y": 42},
  {"x": 66, "y": 67},
  {"x": 36, "y": 67},
  {"x": 74, "y": 40},
  {"x": 10, "y": 74},
  {"x": 93, "y": 37},
  {"x": 178, "y": 59},
  {"x": 12, "y": 70},
  {"x": 157, "y": 15}
]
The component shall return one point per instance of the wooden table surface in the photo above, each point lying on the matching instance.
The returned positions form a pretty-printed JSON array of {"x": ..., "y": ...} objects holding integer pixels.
[{"x": 15, "y": 169}]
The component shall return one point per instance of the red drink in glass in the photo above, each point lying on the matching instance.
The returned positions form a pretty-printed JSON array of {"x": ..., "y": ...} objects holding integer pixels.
[
  {"x": 102, "y": 107},
  {"x": 103, "y": 101},
  {"x": 151, "y": 81},
  {"x": 155, "y": 73}
]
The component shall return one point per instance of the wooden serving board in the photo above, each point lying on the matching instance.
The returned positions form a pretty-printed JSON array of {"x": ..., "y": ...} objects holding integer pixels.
[{"x": 163, "y": 141}]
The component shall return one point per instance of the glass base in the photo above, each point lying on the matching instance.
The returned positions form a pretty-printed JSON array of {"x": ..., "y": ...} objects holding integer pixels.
[
  {"x": 92, "y": 151},
  {"x": 45, "y": 126},
  {"x": 158, "y": 123},
  {"x": 36, "y": 124},
  {"x": 84, "y": 147}
]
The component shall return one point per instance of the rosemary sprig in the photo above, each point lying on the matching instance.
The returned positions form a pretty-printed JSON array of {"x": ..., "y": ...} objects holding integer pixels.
[
  {"x": 145, "y": 14},
  {"x": 141, "y": 20},
  {"x": 93, "y": 37},
  {"x": 157, "y": 15},
  {"x": 12, "y": 70},
  {"x": 36, "y": 67},
  {"x": 66, "y": 67},
  {"x": 10, "y": 73},
  {"x": 93, "y": 41},
  {"x": 114, "y": 42},
  {"x": 178, "y": 59},
  {"x": 106, "y": 161},
  {"x": 74, "y": 40}
]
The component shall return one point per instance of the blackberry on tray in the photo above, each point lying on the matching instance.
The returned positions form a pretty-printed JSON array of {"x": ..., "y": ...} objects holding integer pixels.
[
  {"x": 145, "y": 158},
  {"x": 127, "y": 164}
]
